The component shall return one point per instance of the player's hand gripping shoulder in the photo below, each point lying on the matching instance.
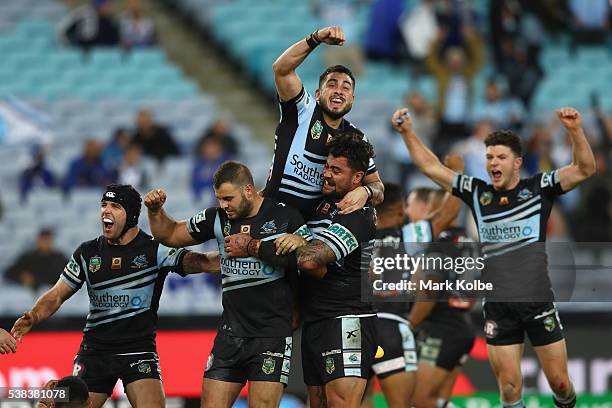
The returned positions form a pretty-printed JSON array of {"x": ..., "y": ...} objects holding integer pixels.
[
  {"x": 154, "y": 200},
  {"x": 7, "y": 342}
]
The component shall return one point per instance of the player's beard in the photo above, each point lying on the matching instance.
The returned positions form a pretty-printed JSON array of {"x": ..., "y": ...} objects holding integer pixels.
[
  {"x": 244, "y": 208},
  {"x": 333, "y": 114}
]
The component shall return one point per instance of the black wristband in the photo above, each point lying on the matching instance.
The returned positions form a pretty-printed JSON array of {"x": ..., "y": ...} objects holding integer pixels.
[
  {"x": 312, "y": 43},
  {"x": 267, "y": 253}
]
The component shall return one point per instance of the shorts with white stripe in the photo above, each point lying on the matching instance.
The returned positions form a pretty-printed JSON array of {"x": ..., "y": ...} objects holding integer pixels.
[
  {"x": 238, "y": 359},
  {"x": 397, "y": 341},
  {"x": 338, "y": 347}
]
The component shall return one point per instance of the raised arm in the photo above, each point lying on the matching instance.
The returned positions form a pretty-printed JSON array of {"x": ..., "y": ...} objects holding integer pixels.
[
  {"x": 288, "y": 83},
  {"x": 163, "y": 227},
  {"x": 422, "y": 157},
  {"x": 583, "y": 160},
  {"x": 44, "y": 307},
  {"x": 448, "y": 211}
]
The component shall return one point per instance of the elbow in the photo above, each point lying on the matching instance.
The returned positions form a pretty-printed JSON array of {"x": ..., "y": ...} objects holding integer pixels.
[
  {"x": 279, "y": 69},
  {"x": 312, "y": 269},
  {"x": 592, "y": 169}
]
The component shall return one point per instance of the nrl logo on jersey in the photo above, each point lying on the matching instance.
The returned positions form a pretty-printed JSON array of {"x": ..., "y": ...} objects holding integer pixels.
[
  {"x": 316, "y": 130},
  {"x": 140, "y": 262},
  {"x": 95, "y": 262},
  {"x": 524, "y": 194},
  {"x": 486, "y": 198},
  {"x": 226, "y": 228},
  {"x": 269, "y": 227}
]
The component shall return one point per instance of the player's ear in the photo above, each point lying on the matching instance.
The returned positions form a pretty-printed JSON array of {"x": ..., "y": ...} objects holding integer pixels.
[
  {"x": 317, "y": 95},
  {"x": 518, "y": 162},
  {"x": 358, "y": 177}
]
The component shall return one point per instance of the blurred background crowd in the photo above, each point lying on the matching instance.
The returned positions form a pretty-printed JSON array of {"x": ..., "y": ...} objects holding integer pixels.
[{"x": 158, "y": 93}]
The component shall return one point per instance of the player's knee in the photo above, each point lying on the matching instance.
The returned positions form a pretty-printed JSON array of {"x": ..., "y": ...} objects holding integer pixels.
[
  {"x": 510, "y": 389},
  {"x": 264, "y": 400},
  {"x": 561, "y": 385}
]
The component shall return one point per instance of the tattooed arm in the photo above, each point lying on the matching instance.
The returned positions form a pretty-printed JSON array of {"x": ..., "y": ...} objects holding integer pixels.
[
  {"x": 197, "y": 262},
  {"x": 314, "y": 257}
]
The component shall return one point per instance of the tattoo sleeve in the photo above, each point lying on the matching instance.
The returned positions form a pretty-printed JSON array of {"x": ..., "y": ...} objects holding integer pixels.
[
  {"x": 314, "y": 257},
  {"x": 378, "y": 192},
  {"x": 197, "y": 262}
]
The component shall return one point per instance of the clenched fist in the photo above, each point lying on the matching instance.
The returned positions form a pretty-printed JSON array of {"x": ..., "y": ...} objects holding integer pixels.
[
  {"x": 402, "y": 121},
  {"x": 331, "y": 35},
  {"x": 570, "y": 118},
  {"x": 154, "y": 200}
]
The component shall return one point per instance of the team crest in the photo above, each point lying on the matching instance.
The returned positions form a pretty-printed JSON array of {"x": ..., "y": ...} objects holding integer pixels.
[
  {"x": 486, "y": 198},
  {"x": 226, "y": 228},
  {"x": 245, "y": 229},
  {"x": 524, "y": 194},
  {"x": 144, "y": 368},
  {"x": 269, "y": 227},
  {"x": 316, "y": 130},
  {"x": 116, "y": 263},
  {"x": 549, "y": 324},
  {"x": 140, "y": 262},
  {"x": 268, "y": 365},
  {"x": 330, "y": 367},
  {"x": 94, "y": 264}
]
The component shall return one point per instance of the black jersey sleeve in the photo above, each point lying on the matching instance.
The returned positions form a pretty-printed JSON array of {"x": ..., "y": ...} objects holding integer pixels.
[
  {"x": 295, "y": 109},
  {"x": 202, "y": 225},
  {"x": 371, "y": 164},
  {"x": 344, "y": 234},
  {"x": 171, "y": 259},
  {"x": 465, "y": 187},
  {"x": 549, "y": 183},
  {"x": 297, "y": 224},
  {"x": 74, "y": 272}
]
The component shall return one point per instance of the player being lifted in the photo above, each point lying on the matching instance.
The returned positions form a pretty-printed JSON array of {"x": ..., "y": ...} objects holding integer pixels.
[
  {"x": 510, "y": 203},
  {"x": 255, "y": 337},
  {"x": 124, "y": 270},
  {"x": 396, "y": 370},
  {"x": 338, "y": 338},
  {"x": 307, "y": 124}
]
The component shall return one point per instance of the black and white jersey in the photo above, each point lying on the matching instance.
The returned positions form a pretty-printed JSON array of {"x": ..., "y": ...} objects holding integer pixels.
[
  {"x": 257, "y": 297},
  {"x": 410, "y": 239},
  {"x": 510, "y": 223},
  {"x": 124, "y": 283},
  {"x": 351, "y": 238},
  {"x": 300, "y": 153}
]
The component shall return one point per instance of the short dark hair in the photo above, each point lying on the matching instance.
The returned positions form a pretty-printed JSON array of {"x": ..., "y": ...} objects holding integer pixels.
[
  {"x": 505, "y": 138},
  {"x": 354, "y": 147},
  {"x": 422, "y": 193},
  {"x": 436, "y": 196},
  {"x": 78, "y": 392},
  {"x": 393, "y": 196},
  {"x": 233, "y": 172},
  {"x": 337, "y": 68}
]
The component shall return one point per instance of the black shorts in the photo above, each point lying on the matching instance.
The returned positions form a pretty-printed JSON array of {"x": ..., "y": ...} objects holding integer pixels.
[
  {"x": 338, "y": 347},
  {"x": 507, "y": 322},
  {"x": 396, "y": 339},
  {"x": 444, "y": 346},
  {"x": 238, "y": 359},
  {"x": 101, "y": 371}
]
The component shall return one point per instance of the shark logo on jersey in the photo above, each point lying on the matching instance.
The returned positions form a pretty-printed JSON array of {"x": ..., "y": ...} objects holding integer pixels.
[
  {"x": 524, "y": 194},
  {"x": 226, "y": 228},
  {"x": 269, "y": 227},
  {"x": 140, "y": 262},
  {"x": 486, "y": 198},
  {"x": 94, "y": 264},
  {"x": 316, "y": 130}
]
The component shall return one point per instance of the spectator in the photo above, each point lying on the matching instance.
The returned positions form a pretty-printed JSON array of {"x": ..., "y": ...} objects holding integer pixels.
[
  {"x": 341, "y": 13},
  {"x": 88, "y": 170},
  {"x": 454, "y": 16},
  {"x": 131, "y": 170},
  {"x": 383, "y": 40},
  {"x": 90, "y": 26},
  {"x": 454, "y": 76},
  {"x": 115, "y": 149},
  {"x": 219, "y": 131},
  {"x": 522, "y": 75},
  {"x": 505, "y": 113},
  {"x": 538, "y": 157},
  {"x": 590, "y": 21},
  {"x": 36, "y": 174},
  {"x": 155, "y": 140},
  {"x": 504, "y": 22},
  {"x": 137, "y": 30},
  {"x": 40, "y": 266},
  {"x": 474, "y": 151},
  {"x": 210, "y": 156}
]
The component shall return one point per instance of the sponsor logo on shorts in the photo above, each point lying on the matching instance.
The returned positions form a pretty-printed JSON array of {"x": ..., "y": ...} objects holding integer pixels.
[
  {"x": 268, "y": 365},
  {"x": 549, "y": 324},
  {"x": 209, "y": 361},
  {"x": 330, "y": 366},
  {"x": 78, "y": 370},
  {"x": 490, "y": 329},
  {"x": 144, "y": 368}
]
